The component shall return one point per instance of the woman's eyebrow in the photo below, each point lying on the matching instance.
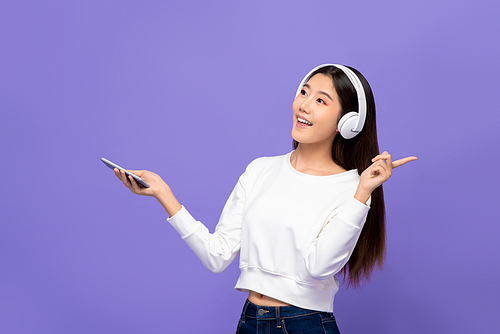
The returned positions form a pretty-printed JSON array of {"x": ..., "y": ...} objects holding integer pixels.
[
  {"x": 321, "y": 92},
  {"x": 328, "y": 95}
]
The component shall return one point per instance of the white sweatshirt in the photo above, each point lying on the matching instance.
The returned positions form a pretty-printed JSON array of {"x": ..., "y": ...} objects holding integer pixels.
[{"x": 293, "y": 231}]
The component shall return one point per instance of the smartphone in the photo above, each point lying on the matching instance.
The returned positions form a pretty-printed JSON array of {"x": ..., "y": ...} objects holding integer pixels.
[{"x": 137, "y": 178}]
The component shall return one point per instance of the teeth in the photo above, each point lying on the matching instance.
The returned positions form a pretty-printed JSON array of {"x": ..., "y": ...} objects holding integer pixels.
[{"x": 301, "y": 120}]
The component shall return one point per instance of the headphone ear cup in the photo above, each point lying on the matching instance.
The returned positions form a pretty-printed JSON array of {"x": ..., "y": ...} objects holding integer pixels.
[{"x": 347, "y": 123}]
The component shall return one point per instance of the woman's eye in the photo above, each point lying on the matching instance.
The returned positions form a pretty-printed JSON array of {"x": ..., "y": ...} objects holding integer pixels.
[
  {"x": 321, "y": 101},
  {"x": 303, "y": 92}
]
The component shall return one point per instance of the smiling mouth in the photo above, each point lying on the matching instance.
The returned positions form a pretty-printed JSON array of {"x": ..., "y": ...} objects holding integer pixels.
[{"x": 303, "y": 121}]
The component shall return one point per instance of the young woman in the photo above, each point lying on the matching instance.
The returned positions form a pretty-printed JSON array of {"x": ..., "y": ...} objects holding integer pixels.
[{"x": 299, "y": 219}]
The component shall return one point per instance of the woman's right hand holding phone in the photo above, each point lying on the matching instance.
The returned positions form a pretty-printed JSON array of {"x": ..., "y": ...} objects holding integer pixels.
[{"x": 157, "y": 188}]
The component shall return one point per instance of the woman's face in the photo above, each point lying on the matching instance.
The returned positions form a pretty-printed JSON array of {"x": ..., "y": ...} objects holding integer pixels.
[{"x": 316, "y": 111}]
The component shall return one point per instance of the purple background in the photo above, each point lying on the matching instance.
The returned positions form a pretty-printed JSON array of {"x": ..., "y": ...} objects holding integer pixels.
[{"x": 194, "y": 91}]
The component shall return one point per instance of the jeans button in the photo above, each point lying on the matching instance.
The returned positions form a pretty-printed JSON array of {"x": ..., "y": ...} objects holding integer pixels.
[{"x": 261, "y": 312}]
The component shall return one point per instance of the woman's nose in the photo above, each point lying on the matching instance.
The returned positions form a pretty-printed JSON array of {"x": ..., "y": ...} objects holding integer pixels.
[{"x": 305, "y": 106}]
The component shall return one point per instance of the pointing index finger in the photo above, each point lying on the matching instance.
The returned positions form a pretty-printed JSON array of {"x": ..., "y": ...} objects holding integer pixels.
[{"x": 403, "y": 161}]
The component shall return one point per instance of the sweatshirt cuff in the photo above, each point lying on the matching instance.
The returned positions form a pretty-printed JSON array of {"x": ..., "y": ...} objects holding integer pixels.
[
  {"x": 354, "y": 212},
  {"x": 183, "y": 222}
]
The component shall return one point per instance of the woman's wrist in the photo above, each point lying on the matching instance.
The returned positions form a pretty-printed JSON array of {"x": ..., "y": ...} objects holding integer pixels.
[
  {"x": 167, "y": 199},
  {"x": 362, "y": 195}
]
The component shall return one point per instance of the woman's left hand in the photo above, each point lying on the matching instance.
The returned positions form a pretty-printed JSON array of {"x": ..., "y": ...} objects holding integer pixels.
[{"x": 377, "y": 173}]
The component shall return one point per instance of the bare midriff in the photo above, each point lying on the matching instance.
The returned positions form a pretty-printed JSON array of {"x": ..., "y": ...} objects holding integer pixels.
[{"x": 263, "y": 300}]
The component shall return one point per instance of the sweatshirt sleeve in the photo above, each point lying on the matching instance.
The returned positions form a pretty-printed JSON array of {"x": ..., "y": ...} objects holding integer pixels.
[
  {"x": 215, "y": 250},
  {"x": 331, "y": 250}
]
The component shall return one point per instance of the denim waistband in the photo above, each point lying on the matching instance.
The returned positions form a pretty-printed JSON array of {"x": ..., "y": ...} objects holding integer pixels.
[{"x": 277, "y": 312}]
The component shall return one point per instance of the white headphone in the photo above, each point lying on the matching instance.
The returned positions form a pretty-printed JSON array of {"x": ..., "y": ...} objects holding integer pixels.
[{"x": 351, "y": 123}]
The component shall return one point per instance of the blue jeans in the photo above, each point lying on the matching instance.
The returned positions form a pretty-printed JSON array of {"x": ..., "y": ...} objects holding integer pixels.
[{"x": 284, "y": 320}]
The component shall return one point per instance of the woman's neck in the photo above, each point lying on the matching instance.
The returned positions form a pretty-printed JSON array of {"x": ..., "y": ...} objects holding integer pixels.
[{"x": 314, "y": 160}]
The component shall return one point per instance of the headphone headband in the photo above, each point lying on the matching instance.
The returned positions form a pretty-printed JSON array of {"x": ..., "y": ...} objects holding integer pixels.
[{"x": 358, "y": 86}]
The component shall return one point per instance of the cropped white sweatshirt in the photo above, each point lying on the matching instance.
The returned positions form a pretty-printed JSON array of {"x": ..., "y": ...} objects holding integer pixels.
[{"x": 293, "y": 231}]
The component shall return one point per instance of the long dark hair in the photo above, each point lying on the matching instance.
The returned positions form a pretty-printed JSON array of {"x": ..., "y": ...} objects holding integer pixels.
[{"x": 356, "y": 153}]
